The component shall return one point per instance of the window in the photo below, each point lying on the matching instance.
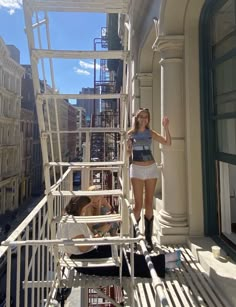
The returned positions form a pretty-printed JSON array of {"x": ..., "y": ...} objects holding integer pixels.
[{"x": 219, "y": 116}]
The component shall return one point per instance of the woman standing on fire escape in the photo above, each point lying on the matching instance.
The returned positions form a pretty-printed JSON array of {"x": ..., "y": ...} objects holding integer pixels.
[{"x": 143, "y": 170}]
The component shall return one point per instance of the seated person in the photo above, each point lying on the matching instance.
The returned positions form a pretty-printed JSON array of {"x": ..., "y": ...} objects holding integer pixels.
[
  {"x": 79, "y": 206},
  {"x": 100, "y": 206}
]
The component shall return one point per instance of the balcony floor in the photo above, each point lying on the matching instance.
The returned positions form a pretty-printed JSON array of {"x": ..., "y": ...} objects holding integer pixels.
[{"x": 189, "y": 285}]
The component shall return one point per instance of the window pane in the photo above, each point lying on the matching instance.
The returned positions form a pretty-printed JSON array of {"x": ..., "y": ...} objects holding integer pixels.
[
  {"x": 225, "y": 76},
  {"x": 224, "y": 21},
  {"x": 227, "y": 107},
  {"x": 227, "y": 136}
]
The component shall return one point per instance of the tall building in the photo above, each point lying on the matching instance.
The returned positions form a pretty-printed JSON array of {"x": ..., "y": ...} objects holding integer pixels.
[
  {"x": 26, "y": 145},
  {"x": 91, "y": 106},
  {"x": 80, "y": 136},
  {"x": 14, "y": 53},
  {"x": 60, "y": 149},
  {"x": 10, "y": 105},
  {"x": 35, "y": 183},
  {"x": 72, "y": 137}
]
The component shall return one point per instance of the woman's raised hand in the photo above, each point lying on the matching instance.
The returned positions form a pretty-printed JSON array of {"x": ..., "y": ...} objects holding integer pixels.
[{"x": 165, "y": 122}]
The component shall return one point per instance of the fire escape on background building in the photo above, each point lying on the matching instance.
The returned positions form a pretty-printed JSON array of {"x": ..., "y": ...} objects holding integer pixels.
[{"x": 105, "y": 145}]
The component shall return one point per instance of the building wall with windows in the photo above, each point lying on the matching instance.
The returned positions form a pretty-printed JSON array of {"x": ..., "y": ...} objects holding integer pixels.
[
  {"x": 183, "y": 67},
  {"x": 26, "y": 129},
  {"x": 28, "y": 103},
  {"x": 91, "y": 106},
  {"x": 10, "y": 104}
]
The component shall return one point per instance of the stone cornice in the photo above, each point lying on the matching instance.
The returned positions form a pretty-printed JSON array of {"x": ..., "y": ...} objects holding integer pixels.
[
  {"x": 3, "y": 49},
  {"x": 145, "y": 78},
  {"x": 170, "y": 46},
  {"x": 12, "y": 67}
]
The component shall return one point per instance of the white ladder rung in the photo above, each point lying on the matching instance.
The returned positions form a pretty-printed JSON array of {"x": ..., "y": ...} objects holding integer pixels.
[
  {"x": 88, "y": 219},
  {"x": 87, "y": 164},
  {"x": 80, "y": 96},
  {"x": 102, "y": 6},
  {"x": 91, "y": 130},
  {"x": 117, "y": 192},
  {"x": 79, "y": 54},
  {"x": 88, "y": 263}
]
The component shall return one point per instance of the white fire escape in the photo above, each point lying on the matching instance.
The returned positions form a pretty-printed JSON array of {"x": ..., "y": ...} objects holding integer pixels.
[
  {"x": 40, "y": 268},
  {"x": 59, "y": 173}
]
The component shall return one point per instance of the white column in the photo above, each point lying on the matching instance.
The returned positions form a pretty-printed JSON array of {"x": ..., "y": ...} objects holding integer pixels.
[{"x": 173, "y": 226}]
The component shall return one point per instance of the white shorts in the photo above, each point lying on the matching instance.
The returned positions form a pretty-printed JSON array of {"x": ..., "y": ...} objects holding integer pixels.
[{"x": 144, "y": 172}]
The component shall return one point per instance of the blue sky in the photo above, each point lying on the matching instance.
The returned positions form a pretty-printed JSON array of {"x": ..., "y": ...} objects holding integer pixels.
[{"x": 67, "y": 31}]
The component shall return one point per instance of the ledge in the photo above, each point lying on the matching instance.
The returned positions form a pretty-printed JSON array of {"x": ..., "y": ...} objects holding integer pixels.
[{"x": 222, "y": 271}]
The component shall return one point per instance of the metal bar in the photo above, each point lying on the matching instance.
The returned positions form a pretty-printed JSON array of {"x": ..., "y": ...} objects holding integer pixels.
[
  {"x": 18, "y": 273},
  {"x": 76, "y": 242},
  {"x": 87, "y": 193},
  {"x": 26, "y": 274},
  {"x": 45, "y": 89},
  {"x": 77, "y": 54},
  {"x": 8, "y": 278},
  {"x": 105, "y": 6},
  {"x": 80, "y": 96},
  {"x": 90, "y": 130},
  {"x": 89, "y": 219},
  {"x": 39, "y": 23},
  {"x": 86, "y": 164},
  {"x": 157, "y": 282}
]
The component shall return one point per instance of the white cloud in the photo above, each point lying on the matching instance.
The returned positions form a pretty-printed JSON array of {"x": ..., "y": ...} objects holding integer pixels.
[
  {"x": 12, "y": 5},
  {"x": 88, "y": 65},
  {"x": 81, "y": 71}
]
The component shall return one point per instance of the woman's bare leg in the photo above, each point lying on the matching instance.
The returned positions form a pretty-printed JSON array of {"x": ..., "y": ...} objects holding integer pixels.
[
  {"x": 150, "y": 185},
  {"x": 138, "y": 185}
]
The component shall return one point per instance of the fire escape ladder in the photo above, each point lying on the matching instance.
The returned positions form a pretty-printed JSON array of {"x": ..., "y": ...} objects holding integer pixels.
[{"x": 107, "y": 130}]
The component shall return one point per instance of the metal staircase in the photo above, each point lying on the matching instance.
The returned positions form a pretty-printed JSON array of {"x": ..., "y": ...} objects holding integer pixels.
[
  {"x": 39, "y": 269},
  {"x": 58, "y": 172}
]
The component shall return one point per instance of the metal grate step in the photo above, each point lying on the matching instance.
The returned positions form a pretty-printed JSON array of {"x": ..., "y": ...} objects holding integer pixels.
[{"x": 187, "y": 286}]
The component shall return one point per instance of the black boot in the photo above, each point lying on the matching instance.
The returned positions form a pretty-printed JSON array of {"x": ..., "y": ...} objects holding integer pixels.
[{"x": 148, "y": 233}]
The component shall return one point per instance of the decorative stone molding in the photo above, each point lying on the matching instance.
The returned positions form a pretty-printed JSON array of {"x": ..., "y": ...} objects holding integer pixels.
[
  {"x": 145, "y": 79},
  {"x": 170, "y": 46}
]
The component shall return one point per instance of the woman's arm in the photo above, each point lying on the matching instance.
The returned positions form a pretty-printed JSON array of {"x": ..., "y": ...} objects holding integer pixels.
[
  {"x": 82, "y": 249},
  {"x": 103, "y": 229},
  {"x": 101, "y": 232},
  {"x": 165, "y": 140}
]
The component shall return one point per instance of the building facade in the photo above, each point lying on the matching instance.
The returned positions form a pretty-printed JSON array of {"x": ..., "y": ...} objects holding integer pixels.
[
  {"x": 80, "y": 136},
  {"x": 91, "y": 106},
  {"x": 72, "y": 137},
  {"x": 28, "y": 104},
  {"x": 183, "y": 58},
  {"x": 26, "y": 141},
  {"x": 10, "y": 104}
]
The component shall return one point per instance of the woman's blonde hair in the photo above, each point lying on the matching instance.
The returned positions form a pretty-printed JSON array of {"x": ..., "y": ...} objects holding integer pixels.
[{"x": 136, "y": 122}]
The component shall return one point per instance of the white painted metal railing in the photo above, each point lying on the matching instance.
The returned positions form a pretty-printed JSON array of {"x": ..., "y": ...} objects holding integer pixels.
[{"x": 34, "y": 272}]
